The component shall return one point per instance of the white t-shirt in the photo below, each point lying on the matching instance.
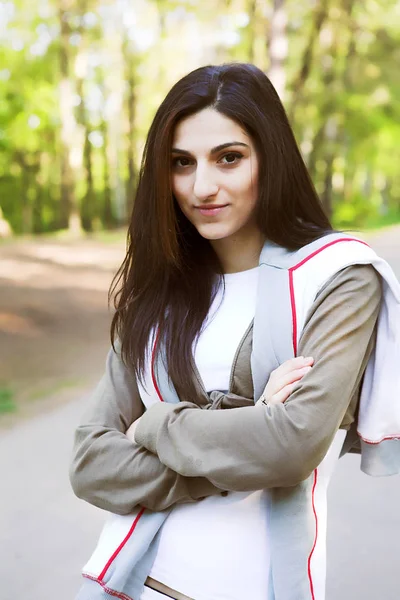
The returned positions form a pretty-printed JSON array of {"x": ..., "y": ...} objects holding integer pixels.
[{"x": 218, "y": 548}]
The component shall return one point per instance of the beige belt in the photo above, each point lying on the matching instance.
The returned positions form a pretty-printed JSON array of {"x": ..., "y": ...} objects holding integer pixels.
[{"x": 164, "y": 589}]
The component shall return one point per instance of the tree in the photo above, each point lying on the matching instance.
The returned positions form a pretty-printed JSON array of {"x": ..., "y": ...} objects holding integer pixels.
[
  {"x": 69, "y": 213},
  {"x": 81, "y": 81},
  {"x": 278, "y": 47}
]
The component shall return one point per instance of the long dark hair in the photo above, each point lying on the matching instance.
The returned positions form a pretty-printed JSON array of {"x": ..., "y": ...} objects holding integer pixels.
[{"x": 168, "y": 278}]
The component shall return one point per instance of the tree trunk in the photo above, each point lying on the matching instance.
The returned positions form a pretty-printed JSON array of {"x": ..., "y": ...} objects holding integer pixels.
[
  {"x": 162, "y": 10},
  {"x": 278, "y": 47},
  {"x": 326, "y": 196},
  {"x": 26, "y": 192},
  {"x": 348, "y": 84},
  {"x": 315, "y": 151},
  {"x": 37, "y": 204},
  {"x": 88, "y": 208},
  {"x": 328, "y": 121},
  {"x": 250, "y": 30},
  {"x": 131, "y": 102},
  {"x": 319, "y": 17},
  {"x": 114, "y": 92},
  {"x": 330, "y": 136},
  {"x": 108, "y": 217},
  {"x": 37, "y": 209},
  {"x": 69, "y": 214}
]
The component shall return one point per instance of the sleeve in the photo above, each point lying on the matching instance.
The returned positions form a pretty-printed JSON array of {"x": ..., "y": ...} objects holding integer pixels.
[
  {"x": 280, "y": 445},
  {"x": 110, "y": 471}
]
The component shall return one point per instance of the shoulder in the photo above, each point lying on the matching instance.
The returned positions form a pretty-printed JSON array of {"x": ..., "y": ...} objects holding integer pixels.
[
  {"x": 334, "y": 248},
  {"x": 352, "y": 297},
  {"x": 335, "y": 260},
  {"x": 361, "y": 278}
]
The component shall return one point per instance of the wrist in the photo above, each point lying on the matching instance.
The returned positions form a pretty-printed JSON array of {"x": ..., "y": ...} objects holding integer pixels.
[{"x": 150, "y": 423}]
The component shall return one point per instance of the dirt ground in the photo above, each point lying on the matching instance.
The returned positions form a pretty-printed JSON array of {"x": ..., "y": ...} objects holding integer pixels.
[{"x": 54, "y": 319}]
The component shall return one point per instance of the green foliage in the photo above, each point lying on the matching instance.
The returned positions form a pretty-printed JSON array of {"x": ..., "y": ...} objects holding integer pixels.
[{"x": 344, "y": 102}]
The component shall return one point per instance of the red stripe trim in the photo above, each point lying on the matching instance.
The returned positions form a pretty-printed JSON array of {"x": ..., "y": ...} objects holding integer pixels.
[
  {"x": 133, "y": 526},
  {"x": 395, "y": 436},
  {"x": 291, "y": 284},
  {"x": 107, "y": 589},
  {"x": 294, "y": 324},
  {"x": 316, "y": 536},
  {"x": 323, "y": 248},
  {"x": 122, "y": 544},
  {"x": 294, "y": 312},
  {"x": 153, "y": 375}
]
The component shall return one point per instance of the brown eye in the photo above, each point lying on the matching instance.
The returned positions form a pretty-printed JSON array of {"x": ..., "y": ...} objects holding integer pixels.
[
  {"x": 181, "y": 161},
  {"x": 231, "y": 158}
]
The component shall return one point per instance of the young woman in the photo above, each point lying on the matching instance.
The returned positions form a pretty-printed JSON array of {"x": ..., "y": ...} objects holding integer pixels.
[{"x": 223, "y": 504}]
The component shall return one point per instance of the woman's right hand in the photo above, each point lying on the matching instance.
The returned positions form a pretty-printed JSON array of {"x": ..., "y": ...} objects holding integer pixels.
[{"x": 282, "y": 380}]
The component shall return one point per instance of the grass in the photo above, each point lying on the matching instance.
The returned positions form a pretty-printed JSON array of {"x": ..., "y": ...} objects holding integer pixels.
[
  {"x": 373, "y": 224},
  {"x": 7, "y": 403},
  {"x": 19, "y": 405},
  {"x": 105, "y": 237},
  {"x": 46, "y": 390},
  {"x": 381, "y": 222}
]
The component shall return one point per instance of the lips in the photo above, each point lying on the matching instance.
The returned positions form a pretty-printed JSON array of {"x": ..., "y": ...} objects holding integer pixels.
[{"x": 211, "y": 210}]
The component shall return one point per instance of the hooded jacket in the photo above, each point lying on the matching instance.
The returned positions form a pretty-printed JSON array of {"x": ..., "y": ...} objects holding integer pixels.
[{"x": 286, "y": 447}]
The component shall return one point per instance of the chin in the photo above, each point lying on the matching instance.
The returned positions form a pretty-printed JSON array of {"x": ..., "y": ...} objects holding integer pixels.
[{"x": 214, "y": 233}]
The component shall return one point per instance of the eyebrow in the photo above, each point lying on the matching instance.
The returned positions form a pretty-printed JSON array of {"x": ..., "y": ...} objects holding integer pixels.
[{"x": 213, "y": 150}]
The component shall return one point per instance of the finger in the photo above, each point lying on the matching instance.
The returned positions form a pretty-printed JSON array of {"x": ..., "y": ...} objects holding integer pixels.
[
  {"x": 293, "y": 364},
  {"x": 274, "y": 386},
  {"x": 283, "y": 394},
  {"x": 293, "y": 376}
]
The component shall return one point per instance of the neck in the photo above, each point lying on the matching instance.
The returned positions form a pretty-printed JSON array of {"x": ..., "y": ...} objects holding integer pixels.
[{"x": 239, "y": 253}]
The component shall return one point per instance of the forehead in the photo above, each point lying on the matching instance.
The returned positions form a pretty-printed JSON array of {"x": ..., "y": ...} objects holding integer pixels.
[{"x": 206, "y": 129}]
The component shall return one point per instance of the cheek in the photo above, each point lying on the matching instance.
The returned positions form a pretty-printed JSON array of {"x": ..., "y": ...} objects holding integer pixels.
[{"x": 246, "y": 189}]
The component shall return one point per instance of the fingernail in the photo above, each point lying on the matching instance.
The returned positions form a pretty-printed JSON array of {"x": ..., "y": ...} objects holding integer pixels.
[{"x": 309, "y": 358}]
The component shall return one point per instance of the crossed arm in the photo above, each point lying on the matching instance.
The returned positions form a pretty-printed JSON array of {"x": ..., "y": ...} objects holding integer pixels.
[
  {"x": 183, "y": 453},
  {"x": 110, "y": 471}
]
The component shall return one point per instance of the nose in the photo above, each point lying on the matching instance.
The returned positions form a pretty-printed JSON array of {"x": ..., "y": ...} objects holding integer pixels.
[{"x": 204, "y": 184}]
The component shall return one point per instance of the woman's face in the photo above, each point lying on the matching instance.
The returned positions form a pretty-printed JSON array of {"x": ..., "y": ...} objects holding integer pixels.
[{"x": 215, "y": 186}]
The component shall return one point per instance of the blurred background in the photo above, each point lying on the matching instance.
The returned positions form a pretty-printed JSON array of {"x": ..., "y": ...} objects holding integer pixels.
[{"x": 80, "y": 81}]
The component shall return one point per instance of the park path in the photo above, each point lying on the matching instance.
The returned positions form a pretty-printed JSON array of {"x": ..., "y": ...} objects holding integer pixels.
[{"x": 46, "y": 534}]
